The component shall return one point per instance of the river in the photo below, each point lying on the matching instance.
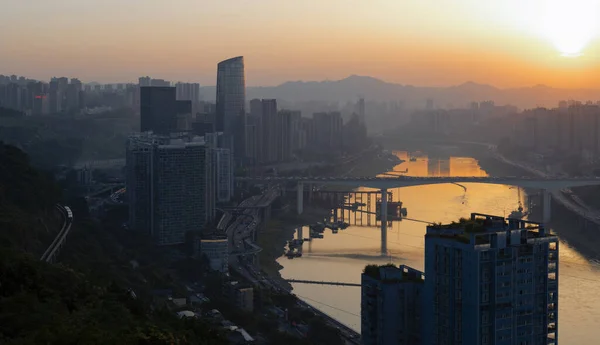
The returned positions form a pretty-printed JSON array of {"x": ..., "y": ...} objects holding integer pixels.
[{"x": 341, "y": 257}]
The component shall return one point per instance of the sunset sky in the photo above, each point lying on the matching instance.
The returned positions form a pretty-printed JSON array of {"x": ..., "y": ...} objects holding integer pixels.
[{"x": 506, "y": 43}]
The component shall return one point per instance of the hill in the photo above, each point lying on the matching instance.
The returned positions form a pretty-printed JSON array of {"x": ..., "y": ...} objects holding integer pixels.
[
  {"x": 28, "y": 221},
  {"x": 350, "y": 88},
  {"x": 85, "y": 299}
]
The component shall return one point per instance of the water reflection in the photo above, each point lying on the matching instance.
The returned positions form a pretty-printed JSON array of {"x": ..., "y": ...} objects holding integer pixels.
[{"x": 342, "y": 256}]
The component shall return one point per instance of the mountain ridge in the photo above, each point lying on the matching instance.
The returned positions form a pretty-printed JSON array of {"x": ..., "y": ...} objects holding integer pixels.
[{"x": 373, "y": 89}]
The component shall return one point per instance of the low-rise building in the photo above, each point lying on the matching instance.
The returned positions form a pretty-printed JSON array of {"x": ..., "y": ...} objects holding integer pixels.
[
  {"x": 215, "y": 248},
  {"x": 241, "y": 295}
]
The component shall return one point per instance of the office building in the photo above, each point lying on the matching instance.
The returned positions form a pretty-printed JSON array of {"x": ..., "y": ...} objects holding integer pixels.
[
  {"x": 231, "y": 102},
  {"x": 391, "y": 305},
  {"x": 158, "y": 109},
  {"x": 168, "y": 184},
  {"x": 214, "y": 247},
  {"x": 490, "y": 280}
]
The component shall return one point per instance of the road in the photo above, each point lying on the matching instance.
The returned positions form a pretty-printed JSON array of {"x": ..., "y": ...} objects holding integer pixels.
[
  {"x": 240, "y": 236},
  {"x": 54, "y": 248},
  {"x": 573, "y": 203}
]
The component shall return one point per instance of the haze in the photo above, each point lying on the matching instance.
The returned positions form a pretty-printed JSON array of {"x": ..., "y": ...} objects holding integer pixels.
[{"x": 427, "y": 42}]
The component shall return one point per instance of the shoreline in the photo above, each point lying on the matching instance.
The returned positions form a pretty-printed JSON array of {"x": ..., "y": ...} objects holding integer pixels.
[{"x": 284, "y": 227}]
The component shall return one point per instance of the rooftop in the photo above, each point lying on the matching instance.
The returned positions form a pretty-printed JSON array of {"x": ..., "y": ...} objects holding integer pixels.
[
  {"x": 479, "y": 228},
  {"x": 389, "y": 273}
]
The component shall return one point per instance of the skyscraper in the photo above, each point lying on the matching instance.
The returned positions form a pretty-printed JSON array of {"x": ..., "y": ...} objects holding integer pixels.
[
  {"x": 391, "y": 305},
  {"x": 158, "y": 109},
  {"x": 168, "y": 184},
  {"x": 489, "y": 280},
  {"x": 231, "y": 102}
]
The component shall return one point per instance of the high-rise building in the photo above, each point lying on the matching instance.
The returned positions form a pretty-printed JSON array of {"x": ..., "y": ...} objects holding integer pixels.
[
  {"x": 189, "y": 92},
  {"x": 287, "y": 134},
  {"x": 490, "y": 280},
  {"x": 222, "y": 167},
  {"x": 328, "y": 130},
  {"x": 254, "y": 139},
  {"x": 158, "y": 109},
  {"x": 391, "y": 305},
  {"x": 144, "y": 81},
  {"x": 168, "y": 183},
  {"x": 183, "y": 115},
  {"x": 270, "y": 126},
  {"x": 361, "y": 110},
  {"x": 222, "y": 160},
  {"x": 231, "y": 102}
]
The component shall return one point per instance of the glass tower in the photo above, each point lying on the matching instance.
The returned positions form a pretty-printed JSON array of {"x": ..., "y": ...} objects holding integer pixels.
[{"x": 231, "y": 101}]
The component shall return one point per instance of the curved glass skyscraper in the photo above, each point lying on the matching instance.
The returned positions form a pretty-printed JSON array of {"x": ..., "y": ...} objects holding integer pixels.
[{"x": 231, "y": 101}]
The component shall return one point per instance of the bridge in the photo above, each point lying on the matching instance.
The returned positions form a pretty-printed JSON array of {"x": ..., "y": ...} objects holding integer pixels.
[
  {"x": 548, "y": 185},
  {"x": 321, "y": 282}
]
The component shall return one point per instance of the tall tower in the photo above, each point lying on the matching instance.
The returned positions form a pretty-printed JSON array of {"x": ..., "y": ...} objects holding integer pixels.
[{"x": 231, "y": 101}]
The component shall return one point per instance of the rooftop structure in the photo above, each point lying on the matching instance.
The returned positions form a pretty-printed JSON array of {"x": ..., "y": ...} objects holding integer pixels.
[{"x": 490, "y": 280}]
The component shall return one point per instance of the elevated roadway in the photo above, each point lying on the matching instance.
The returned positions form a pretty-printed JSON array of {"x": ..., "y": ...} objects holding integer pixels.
[
  {"x": 546, "y": 182},
  {"x": 52, "y": 251}
]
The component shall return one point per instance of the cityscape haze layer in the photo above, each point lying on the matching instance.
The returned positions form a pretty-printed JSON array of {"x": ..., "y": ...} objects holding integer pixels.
[{"x": 338, "y": 172}]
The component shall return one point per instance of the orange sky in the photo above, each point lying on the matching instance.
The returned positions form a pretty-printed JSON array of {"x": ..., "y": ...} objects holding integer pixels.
[{"x": 425, "y": 42}]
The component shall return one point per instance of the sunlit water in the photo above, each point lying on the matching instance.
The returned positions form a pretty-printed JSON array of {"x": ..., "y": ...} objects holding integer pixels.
[{"x": 341, "y": 257}]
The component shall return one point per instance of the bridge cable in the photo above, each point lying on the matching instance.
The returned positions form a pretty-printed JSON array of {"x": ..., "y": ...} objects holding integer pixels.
[
  {"x": 330, "y": 306},
  {"x": 589, "y": 265}
]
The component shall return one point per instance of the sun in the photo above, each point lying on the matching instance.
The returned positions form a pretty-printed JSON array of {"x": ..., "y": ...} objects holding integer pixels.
[{"x": 570, "y": 25}]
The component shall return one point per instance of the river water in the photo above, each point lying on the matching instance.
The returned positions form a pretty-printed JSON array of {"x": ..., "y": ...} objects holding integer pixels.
[{"x": 341, "y": 257}]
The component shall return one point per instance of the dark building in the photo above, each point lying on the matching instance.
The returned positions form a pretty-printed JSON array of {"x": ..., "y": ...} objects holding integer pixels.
[
  {"x": 184, "y": 107},
  {"x": 158, "y": 109}
]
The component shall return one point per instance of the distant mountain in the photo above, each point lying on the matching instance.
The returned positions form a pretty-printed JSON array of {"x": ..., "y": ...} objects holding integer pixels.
[{"x": 350, "y": 88}]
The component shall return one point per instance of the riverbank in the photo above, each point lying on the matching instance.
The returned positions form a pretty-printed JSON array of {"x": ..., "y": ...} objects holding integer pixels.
[
  {"x": 280, "y": 230},
  {"x": 276, "y": 234}
]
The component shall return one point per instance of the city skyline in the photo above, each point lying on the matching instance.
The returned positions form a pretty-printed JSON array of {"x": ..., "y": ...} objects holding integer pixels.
[{"x": 419, "y": 43}]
